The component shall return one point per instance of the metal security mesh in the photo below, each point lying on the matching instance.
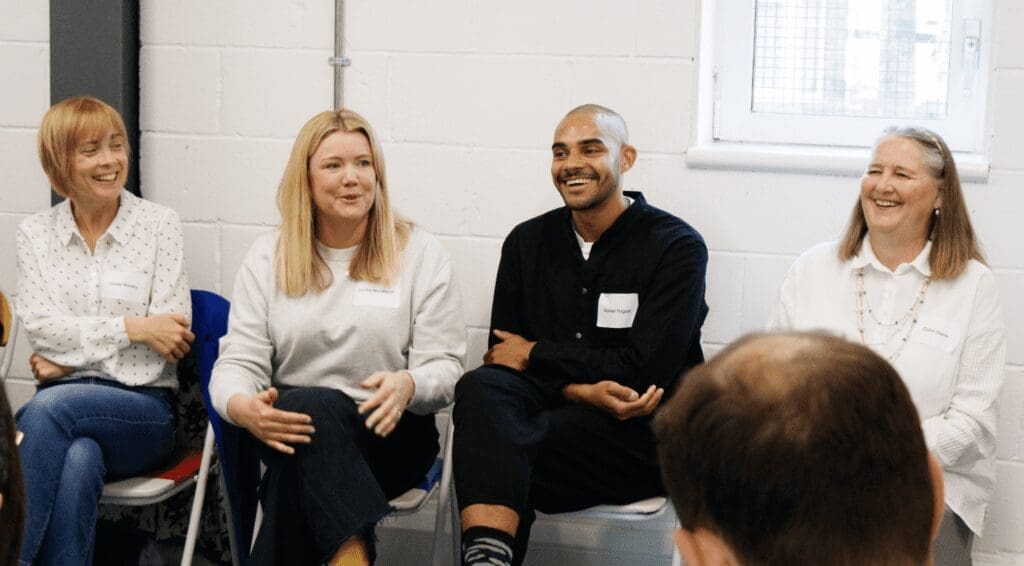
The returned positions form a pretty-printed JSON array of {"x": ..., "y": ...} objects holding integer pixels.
[{"x": 871, "y": 58}]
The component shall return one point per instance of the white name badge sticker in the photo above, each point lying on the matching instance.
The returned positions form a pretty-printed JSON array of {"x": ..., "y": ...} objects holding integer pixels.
[
  {"x": 936, "y": 334},
  {"x": 374, "y": 295},
  {"x": 617, "y": 310},
  {"x": 125, "y": 286}
]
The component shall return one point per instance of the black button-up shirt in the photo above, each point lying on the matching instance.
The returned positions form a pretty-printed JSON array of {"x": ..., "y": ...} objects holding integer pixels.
[{"x": 649, "y": 265}]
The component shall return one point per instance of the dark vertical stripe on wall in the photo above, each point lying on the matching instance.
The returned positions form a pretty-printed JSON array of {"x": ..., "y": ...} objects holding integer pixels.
[{"x": 94, "y": 50}]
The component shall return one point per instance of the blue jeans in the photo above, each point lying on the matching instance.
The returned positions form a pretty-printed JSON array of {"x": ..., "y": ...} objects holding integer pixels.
[{"x": 77, "y": 433}]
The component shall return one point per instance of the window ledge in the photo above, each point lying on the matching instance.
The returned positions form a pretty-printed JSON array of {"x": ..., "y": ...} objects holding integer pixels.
[{"x": 816, "y": 160}]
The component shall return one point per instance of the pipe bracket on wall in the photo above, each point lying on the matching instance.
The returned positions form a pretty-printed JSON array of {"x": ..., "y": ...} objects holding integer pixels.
[{"x": 339, "y": 61}]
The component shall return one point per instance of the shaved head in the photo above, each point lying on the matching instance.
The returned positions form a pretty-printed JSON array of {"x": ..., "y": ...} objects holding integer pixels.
[{"x": 606, "y": 119}]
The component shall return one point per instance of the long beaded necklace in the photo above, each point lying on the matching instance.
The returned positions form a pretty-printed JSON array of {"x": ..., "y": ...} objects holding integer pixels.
[{"x": 897, "y": 324}]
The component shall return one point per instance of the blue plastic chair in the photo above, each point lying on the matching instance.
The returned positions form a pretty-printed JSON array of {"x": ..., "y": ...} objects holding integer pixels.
[
  {"x": 235, "y": 448},
  {"x": 209, "y": 323}
]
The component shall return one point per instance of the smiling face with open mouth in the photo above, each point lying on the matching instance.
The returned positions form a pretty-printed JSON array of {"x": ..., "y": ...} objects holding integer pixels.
[
  {"x": 586, "y": 161},
  {"x": 99, "y": 170},
  {"x": 898, "y": 192}
]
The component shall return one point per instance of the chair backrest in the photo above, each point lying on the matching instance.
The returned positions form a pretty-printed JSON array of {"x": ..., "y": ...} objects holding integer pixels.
[
  {"x": 209, "y": 323},
  {"x": 236, "y": 454},
  {"x": 8, "y": 335}
]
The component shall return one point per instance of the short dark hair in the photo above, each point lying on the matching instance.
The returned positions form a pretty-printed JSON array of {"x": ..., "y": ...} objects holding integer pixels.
[{"x": 799, "y": 448}]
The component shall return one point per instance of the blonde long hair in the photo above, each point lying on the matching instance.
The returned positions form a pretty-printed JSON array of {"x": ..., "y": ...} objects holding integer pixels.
[
  {"x": 954, "y": 244},
  {"x": 298, "y": 265}
]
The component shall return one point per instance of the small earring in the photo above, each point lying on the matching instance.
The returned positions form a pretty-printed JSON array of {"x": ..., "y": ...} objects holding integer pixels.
[{"x": 936, "y": 211}]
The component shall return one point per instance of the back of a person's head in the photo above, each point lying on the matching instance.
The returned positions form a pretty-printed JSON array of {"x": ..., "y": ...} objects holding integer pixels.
[{"x": 799, "y": 448}]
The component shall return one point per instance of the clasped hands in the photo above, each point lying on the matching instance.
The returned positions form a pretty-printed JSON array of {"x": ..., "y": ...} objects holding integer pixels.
[
  {"x": 617, "y": 400},
  {"x": 166, "y": 334},
  {"x": 393, "y": 390}
]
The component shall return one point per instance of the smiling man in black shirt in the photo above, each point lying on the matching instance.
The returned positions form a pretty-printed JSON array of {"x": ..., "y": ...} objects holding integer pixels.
[{"x": 597, "y": 311}]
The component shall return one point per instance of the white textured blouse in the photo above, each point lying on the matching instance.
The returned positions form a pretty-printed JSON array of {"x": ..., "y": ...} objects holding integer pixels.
[
  {"x": 73, "y": 302},
  {"x": 952, "y": 361}
]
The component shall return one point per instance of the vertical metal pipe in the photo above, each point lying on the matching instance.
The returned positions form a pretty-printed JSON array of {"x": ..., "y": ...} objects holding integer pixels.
[{"x": 339, "y": 61}]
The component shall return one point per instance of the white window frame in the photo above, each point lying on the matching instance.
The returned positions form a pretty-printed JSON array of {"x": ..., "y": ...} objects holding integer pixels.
[{"x": 730, "y": 71}]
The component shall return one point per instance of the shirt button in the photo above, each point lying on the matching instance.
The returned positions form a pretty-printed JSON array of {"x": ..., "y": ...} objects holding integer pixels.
[
  {"x": 579, "y": 335},
  {"x": 584, "y": 290}
]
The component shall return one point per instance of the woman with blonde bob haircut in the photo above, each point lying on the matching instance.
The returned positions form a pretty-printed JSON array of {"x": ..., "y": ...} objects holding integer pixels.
[
  {"x": 345, "y": 336},
  {"x": 908, "y": 280},
  {"x": 104, "y": 299}
]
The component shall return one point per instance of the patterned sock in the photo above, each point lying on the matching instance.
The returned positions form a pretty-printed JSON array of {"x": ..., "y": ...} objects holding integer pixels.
[{"x": 486, "y": 546}]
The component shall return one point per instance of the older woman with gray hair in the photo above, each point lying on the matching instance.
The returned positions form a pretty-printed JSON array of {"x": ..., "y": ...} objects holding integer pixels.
[{"x": 908, "y": 280}]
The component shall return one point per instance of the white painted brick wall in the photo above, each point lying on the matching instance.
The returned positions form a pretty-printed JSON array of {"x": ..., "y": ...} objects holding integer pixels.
[
  {"x": 180, "y": 89},
  {"x": 27, "y": 93},
  {"x": 724, "y": 285},
  {"x": 25, "y": 64},
  {"x": 465, "y": 96},
  {"x": 227, "y": 178},
  {"x": 272, "y": 92},
  {"x": 1007, "y": 120},
  {"x": 25, "y": 188}
]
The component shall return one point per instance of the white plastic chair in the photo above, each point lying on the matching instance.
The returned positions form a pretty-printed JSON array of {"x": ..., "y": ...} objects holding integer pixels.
[
  {"x": 644, "y": 510},
  {"x": 192, "y": 469},
  {"x": 154, "y": 487},
  {"x": 446, "y": 499}
]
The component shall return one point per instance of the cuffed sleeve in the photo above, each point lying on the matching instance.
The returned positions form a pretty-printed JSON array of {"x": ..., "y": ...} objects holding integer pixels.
[{"x": 966, "y": 431}]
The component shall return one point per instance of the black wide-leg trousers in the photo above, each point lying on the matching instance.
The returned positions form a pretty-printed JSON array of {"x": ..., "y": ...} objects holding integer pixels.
[
  {"x": 340, "y": 484},
  {"x": 520, "y": 445}
]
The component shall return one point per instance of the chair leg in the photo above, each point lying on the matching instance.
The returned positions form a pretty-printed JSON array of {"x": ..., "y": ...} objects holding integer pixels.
[
  {"x": 197, "y": 501},
  {"x": 232, "y": 535},
  {"x": 456, "y": 528},
  {"x": 445, "y": 499}
]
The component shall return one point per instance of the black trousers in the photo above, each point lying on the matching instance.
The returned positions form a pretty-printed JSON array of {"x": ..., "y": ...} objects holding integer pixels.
[
  {"x": 519, "y": 444},
  {"x": 339, "y": 485}
]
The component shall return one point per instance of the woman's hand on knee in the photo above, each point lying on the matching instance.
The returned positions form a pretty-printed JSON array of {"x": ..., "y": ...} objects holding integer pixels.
[
  {"x": 278, "y": 429},
  {"x": 394, "y": 390},
  {"x": 44, "y": 370},
  {"x": 166, "y": 334}
]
